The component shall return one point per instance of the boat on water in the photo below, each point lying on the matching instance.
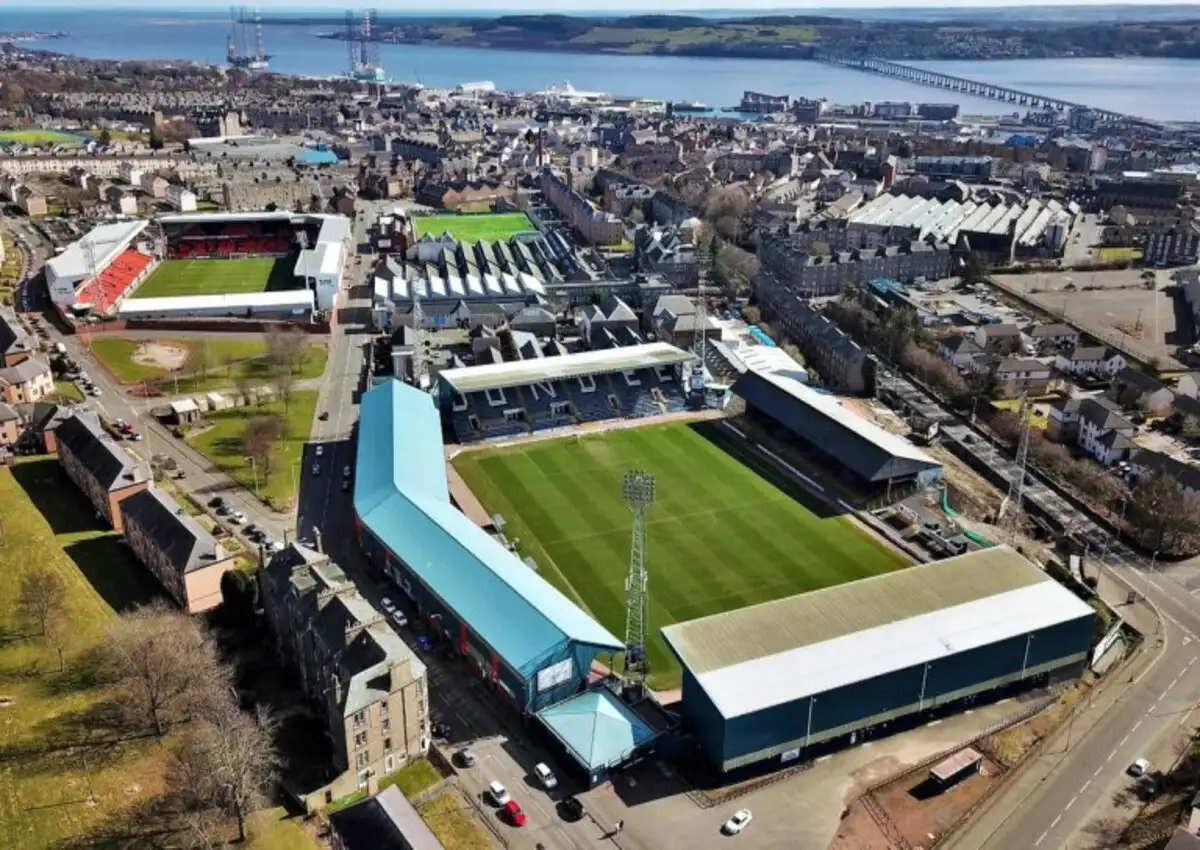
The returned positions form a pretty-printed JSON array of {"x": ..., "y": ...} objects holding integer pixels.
[
  {"x": 689, "y": 106},
  {"x": 571, "y": 94}
]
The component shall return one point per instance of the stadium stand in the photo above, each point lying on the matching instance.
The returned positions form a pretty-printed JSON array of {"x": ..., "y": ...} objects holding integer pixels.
[
  {"x": 107, "y": 288},
  {"x": 506, "y": 399}
]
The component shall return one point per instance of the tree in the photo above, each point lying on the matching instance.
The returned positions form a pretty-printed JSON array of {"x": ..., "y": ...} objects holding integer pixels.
[
  {"x": 286, "y": 350},
  {"x": 41, "y": 597},
  {"x": 1160, "y": 514},
  {"x": 106, "y": 137},
  {"x": 239, "y": 591},
  {"x": 166, "y": 665},
  {"x": 637, "y": 216},
  {"x": 259, "y": 440},
  {"x": 201, "y": 355},
  {"x": 156, "y": 140},
  {"x": 976, "y": 267}
]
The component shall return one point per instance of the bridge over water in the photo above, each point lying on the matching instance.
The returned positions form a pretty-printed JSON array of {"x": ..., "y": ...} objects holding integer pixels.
[{"x": 974, "y": 88}]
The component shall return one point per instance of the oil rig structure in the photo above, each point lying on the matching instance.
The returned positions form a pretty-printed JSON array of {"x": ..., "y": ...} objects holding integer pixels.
[
  {"x": 238, "y": 50},
  {"x": 364, "y": 49}
]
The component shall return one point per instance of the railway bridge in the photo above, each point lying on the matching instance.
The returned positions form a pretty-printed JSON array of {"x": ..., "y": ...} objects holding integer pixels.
[{"x": 974, "y": 88}]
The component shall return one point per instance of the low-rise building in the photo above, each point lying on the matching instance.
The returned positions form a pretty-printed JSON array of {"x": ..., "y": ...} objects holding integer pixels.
[
  {"x": 1134, "y": 389},
  {"x": 386, "y": 821},
  {"x": 181, "y": 198},
  {"x": 1145, "y": 462},
  {"x": 1054, "y": 336},
  {"x": 10, "y": 425},
  {"x": 16, "y": 344},
  {"x": 29, "y": 381},
  {"x": 596, "y": 226},
  {"x": 368, "y": 684},
  {"x": 187, "y": 561},
  {"x": 998, "y": 339},
  {"x": 1016, "y": 375},
  {"x": 105, "y": 473},
  {"x": 831, "y": 352},
  {"x": 1090, "y": 360},
  {"x": 1095, "y": 425}
]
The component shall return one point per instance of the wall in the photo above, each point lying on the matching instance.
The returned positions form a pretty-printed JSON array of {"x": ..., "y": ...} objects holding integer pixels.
[{"x": 203, "y": 587}]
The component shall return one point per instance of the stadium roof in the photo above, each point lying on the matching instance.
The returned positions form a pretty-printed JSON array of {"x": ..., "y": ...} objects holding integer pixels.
[
  {"x": 777, "y": 652},
  {"x": 862, "y": 446},
  {"x": 401, "y": 496},
  {"x": 200, "y": 218},
  {"x": 295, "y": 299},
  {"x": 107, "y": 241},
  {"x": 597, "y": 729},
  {"x": 519, "y": 373}
]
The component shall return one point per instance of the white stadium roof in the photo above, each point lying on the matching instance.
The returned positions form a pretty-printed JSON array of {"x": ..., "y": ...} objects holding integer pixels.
[
  {"x": 295, "y": 299},
  {"x": 106, "y": 241},
  {"x": 521, "y": 372},
  {"x": 778, "y": 652}
]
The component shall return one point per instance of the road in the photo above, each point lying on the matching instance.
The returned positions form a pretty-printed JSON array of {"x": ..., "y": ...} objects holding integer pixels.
[{"x": 1060, "y": 798}]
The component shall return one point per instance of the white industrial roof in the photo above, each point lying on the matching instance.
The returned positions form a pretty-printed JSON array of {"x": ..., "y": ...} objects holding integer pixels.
[
  {"x": 518, "y": 373},
  {"x": 860, "y": 656},
  {"x": 208, "y": 217},
  {"x": 830, "y": 406},
  {"x": 297, "y": 299},
  {"x": 107, "y": 241}
]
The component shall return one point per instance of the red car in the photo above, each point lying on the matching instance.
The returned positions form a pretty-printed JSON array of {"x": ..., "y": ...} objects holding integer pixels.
[{"x": 515, "y": 813}]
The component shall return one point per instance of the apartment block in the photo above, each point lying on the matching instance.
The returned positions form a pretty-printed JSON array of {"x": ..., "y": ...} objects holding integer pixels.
[
  {"x": 98, "y": 466},
  {"x": 368, "y": 684}
]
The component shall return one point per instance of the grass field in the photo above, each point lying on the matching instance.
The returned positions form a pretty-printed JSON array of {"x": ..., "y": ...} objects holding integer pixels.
[
  {"x": 492, "y": 227},
  {"x": 39, "y": 137},
  {"x": 216, "y": 277},
  {"x": 726, "y": 531},
  {"x": 1116, "y": 255},
  {"x": 229, "y": 360},
  {"x": 222, "y": 444}
]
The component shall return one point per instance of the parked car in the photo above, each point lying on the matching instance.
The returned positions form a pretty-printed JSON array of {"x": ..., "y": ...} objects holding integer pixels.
[
  {"x": 441, "y": 729},
  {"x": 1138, "y": 768},
  {"x": 345, "y": 485},
  {"x": 320, "y": 451},
  {"x": 466, "y": 758},
  {"x": 740, "y": 820},
  {"x": 387, "y": 604},
  {"x": 346, "y": 472},
  {"x": 545, "y": 776},
  {"x": 498, "y": 793},
  {"x": 399, "y": 619},
  {"x": 316, "y": 469},
  {"x": 216, "y": 502},
  {"x": 572, "y": 809},
  {"x": 515, "y": 813},
  {"x": 424, "y": 643},
  {"x": 237, "y": 517}
]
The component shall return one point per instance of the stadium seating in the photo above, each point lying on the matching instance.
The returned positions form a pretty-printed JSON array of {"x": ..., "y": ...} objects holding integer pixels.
[{"x": 102, "y": 292}]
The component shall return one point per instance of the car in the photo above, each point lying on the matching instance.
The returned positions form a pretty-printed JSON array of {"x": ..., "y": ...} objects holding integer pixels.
[
  {"x": 237, "y": 517},
  {"x": 466, "y": 758},
  {"x": 387, "y": 604},
  {"x": 252, "y": 530},
  {"x": 1139, "y": 768},
  {"x": 424, "y": 643},
  {"x": 320, "y": 451},
  {"x": 275, "y": 546},
  {"x": 346, "y": 472},
  {"x": 498, "y": 793},
  {"x": 573, "y": 809},
  {"x": 345, "y": 485},
  {"x": 545, "y": 776},
  {"x": 93, "y": 391},
  {"x": 324, "y": 416},
  {"x": 740, "y": 820},
  {"x": 514, "y": 812},
  {"x": 316, "y": 469},
  {"x": 224, "y": 509},
  {"x": 399, "y": 619},
  {"x": 441, "y": 729},
  {"x": 216, "y": 502}
]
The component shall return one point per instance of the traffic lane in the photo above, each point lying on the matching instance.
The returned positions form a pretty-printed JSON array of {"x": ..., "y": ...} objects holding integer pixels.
[{"x": 1084, "y": 777}]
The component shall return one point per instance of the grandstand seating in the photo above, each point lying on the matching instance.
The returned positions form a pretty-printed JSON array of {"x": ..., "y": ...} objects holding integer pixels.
[
  {"x": 225, "y": 246},
  {"x": 103, "y": 291}
]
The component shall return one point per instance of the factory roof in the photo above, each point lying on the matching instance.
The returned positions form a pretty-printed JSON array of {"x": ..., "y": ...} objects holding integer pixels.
[
  {"x": 519, "y": 373},
  {"x": 778, "y": 652},
  {"x": 402, "y": 497}
]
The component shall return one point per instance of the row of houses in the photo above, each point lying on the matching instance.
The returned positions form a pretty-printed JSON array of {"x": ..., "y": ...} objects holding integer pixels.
[
  {"x": 820, "y": 274},
  {"x": 595, "y": 226},
  {"x": 31, "y": 201}
]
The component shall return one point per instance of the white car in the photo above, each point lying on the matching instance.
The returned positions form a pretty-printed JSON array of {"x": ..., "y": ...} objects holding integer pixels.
[
  {"x": 498, "y": 793},
  {"x": 1139, "y": 768},
  {"x": 399, "y": 619},
  {"x": 740, "y": 820},
  {"x": 237, "y": 517},
  {"x": 387, "y": 605},
  {"x": 545, "y": 776},
  {"x": 320, "y": 450}
]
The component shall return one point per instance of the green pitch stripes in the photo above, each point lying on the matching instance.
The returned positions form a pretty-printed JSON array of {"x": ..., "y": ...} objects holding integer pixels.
[
  {"x": 720, "y": 536},
  {"x": 174, "y": 278}
]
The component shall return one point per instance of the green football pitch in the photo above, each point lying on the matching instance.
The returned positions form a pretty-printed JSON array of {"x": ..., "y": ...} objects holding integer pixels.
[
  {"x": 492, "y": 227},
  {"x": 727, "y": 529},
  {"x": 217, "y": 277}
]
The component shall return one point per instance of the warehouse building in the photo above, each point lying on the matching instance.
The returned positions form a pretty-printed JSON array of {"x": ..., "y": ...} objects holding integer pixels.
[
  {"x": 517, "y": 632},
  {"x": 874, "y": 457},
  {"x": 771, "y": 684}
]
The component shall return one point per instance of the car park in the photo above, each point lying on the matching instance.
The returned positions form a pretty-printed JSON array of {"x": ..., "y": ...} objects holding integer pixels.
[
  {"x": 740, "y": 820},
  {"x": 545, "y": 776},
  {"x": 498, "y": 793},
  {"x": 514, "y": 812}
]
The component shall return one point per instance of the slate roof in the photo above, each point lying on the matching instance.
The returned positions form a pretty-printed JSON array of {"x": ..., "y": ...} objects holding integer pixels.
[
  {"x": 185, "y": 544},
  {"x": 386, "y": 821},
  {"x": 25, "y": 371},
  {"x": 1104, "y": 414},
  {"x": 83, "y": 437},
  {"x": 13, "y": 337}
]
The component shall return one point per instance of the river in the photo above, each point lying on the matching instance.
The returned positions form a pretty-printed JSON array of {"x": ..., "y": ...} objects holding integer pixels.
[{"x": 1136, "y": 86}]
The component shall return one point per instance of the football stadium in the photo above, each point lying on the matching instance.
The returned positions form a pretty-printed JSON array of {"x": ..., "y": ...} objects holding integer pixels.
[
  {"x": 790, "y": 630},
  {"x": 263, "y": 265}
]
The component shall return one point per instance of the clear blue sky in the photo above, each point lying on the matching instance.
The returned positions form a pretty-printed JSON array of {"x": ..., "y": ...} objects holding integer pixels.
[{"x": 589, "y": 6}]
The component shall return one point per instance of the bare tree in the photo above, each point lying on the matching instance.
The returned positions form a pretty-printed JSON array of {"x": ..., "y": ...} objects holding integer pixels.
[
  {"x": 259, "y": 440},
  {"x": 1161, "y": 515},
  {"x": 286, "y": 349},
  {"x": 201, "y": 358},
  {"x": 284, "y": 381},
  {"x": 165, "y": 662},
  {"x": 41, "y": 597}
]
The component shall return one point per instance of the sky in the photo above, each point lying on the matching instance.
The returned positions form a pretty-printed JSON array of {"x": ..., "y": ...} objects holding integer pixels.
[{"x": 591, "y": 6}]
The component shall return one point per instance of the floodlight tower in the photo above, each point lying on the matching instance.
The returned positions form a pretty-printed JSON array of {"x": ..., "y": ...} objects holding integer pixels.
[
  {"x": 420, "y": 363},
  {"x": 700, "y": 335},
  {"x": 638, "y": 489}
]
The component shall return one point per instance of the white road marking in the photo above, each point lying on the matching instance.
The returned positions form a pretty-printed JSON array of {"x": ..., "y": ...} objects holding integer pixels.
[
  {"x": 933, "y": 723},
  {"x": 1084, "y": 786},
  {"x": 1110, "y": 756},
  {"x": 1041, "y": 838},
  {"x": 1124, "y": 741},
  {"x": 1135, "y": 727},
  {"x": 1073, "y": 799},
  {"x": 1054, "y": 823},
  {"x": 1097, "y": 773}
]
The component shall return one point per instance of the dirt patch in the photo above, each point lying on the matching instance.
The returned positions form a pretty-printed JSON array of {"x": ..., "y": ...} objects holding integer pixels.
[
  {"x": 7, "y": 702},
  {"x": 170, "y": 357},
  {"x": 912, "y": 810}
]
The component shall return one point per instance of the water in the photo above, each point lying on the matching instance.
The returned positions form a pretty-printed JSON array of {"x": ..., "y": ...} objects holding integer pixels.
[{"x": 1146, "y": 87}]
